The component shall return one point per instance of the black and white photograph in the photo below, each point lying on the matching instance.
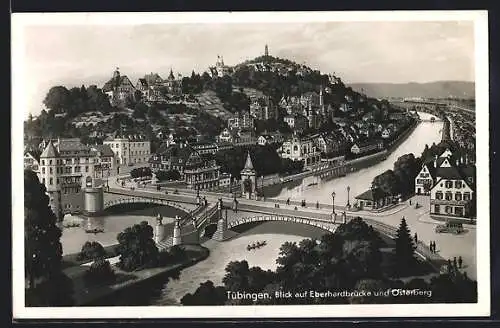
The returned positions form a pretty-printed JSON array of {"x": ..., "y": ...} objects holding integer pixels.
[{"x": 184, "y": 165}]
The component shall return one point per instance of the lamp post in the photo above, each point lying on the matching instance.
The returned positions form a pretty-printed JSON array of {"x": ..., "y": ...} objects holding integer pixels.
[
  {"x": 348, "y": 190},
  {"x": 333, "y": 202}
]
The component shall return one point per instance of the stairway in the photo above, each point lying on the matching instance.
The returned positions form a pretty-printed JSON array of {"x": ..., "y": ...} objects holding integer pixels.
[{"x": 164, "y": 244}]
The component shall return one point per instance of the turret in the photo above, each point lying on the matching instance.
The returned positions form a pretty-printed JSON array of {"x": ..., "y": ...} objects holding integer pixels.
[{"x": 49, "y": 176}]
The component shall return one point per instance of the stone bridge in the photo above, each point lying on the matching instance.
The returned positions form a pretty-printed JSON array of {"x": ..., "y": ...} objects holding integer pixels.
[{"x": 328, "y": 226}]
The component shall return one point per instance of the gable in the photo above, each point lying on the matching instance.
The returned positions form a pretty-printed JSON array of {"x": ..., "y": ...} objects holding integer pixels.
[
  {"x": 446, "y": 163},
  {"x": 446, "y": 153}
]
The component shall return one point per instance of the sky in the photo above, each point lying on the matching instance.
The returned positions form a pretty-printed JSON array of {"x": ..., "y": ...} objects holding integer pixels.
[{"x": 394, "y": 52}]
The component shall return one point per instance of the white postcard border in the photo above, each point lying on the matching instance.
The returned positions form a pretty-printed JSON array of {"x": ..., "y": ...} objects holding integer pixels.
[{"x": 482, "y": 308}]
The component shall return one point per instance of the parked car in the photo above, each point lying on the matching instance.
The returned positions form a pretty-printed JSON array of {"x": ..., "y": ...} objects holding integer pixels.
[{"x": 450, "y": 227}]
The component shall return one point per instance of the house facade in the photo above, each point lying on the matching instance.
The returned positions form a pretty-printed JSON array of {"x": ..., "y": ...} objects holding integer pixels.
[
  {"x": 129, "y": 149},
  {"x": 301, "y": 149}
]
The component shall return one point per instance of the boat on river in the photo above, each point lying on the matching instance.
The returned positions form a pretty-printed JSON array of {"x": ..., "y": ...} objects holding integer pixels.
[
  {"x": 94, "y": 231},
  {"x": 256, "y": 245}
]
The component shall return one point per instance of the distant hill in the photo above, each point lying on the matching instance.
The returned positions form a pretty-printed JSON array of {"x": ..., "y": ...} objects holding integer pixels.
[{"x": 439, "y": 89}]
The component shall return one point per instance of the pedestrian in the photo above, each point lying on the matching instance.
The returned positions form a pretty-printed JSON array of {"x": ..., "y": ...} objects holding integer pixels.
[
  {"x": 410, "y": 201},
  {"x": 434, "y": 247},
  {"x": 449, "y": 264},
  {"x": 460, "y": 261},
  {"x": 431, "y": 246},
  {"x": 288, "y": 201},
  {"x": 455, "y": 262},
  {"x": 415, "y": 237},
  {"x": 317, "y": 204}
]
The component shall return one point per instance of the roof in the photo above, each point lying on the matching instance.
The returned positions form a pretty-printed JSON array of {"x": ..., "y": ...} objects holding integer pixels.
[
  {"x": 105, "y": 150},
  {"x": 248, "y": 164},
  {"x": 451, "y": 173},
  {"x": 71, "y": 144},
  {"x": 49, "y": 151},
  {"x": 372, "y": 194},
  {"x": 115, "y": 82}
]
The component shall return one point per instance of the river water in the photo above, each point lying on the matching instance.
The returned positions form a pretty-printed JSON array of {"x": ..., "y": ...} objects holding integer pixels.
[
  {"x": 274, "y": 233},
  {"x": 360, "y": 181}
]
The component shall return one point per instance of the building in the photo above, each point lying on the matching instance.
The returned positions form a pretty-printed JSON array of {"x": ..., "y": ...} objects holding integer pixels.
[
  {"x": 224, "y": 180},
  {"x": 296, "y": 122},
  {"x": 31, "y": 161},
  {"x": 220, "y": 69},
  {"x": 373, "y": 199},
  {"x": 205, "y": 147},
  {"x": 244, "y": 138},
  {"x": 241, "y": 121},
  {"x": 172, "y": 84},
  {"x": 248, "y": 179},
  {"x": 263, "y": 109},
  {"x": 64, "y": 170},
  {"x": 198, "y": 171},
  {"x": 386, "y": 133},
  {"x": 226, "y": 136},
  {"x": 363, "y": 147},
  {"x": 301, "y": 149},
  {"x": 265, "y": 139},
  {"x": 118, "y": 88},
  {"x": 453, "y": 193},
  {"x": 129, "y": 149}
]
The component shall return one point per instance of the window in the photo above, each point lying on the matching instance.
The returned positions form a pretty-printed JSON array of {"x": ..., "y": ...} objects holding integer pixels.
[
  {"x": 448, "y": 210},
  {"x": 458, "y": 196},
  {"x": 57, "y": 181},
  {"x": 51, "y": 170},
  {"x": 466, "y": 195},
  {"x": 439, "y": 195},
  {"x": 437, "y": 209},
  {"x": 449, "y": 184},
  {"x": 459, "y": 211},
  {"x": 50, "y": 162},
  {"x": 448, "y": 196},
  {"x": 458, "y": 184},
  {"x": 43, "y": 170},
  {"x": 43, "y": 162},
  {"x": 86, "y": 168},
  {"x": 51, "y": 181},
  {"x": 43, "y": 180}
]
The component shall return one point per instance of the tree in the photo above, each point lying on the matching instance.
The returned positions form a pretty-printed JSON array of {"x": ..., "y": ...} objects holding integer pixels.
[
  {"x": 206, "y": 294},
  {"x": 387, "y": 182},
  {"x": 404, "y": 255},
  {"x": 57, "y": 99},
  {"x": 137, "y": 248},
  {"x": 43, "y": 249},
  {"x": 91, "y": 251},
  {"x": 100, "y": 272},
  {"x": 140, "y": 110}
]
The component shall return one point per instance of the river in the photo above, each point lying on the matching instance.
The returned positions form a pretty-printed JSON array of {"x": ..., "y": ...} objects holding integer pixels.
[
  {"x": 275, "y": 233},
  {"x": 360, "y": 181}
]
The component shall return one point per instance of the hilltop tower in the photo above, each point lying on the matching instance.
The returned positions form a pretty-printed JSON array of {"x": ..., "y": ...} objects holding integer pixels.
[
  {"x": 321, "y": 101},
  {"x": 266, "y": 51},
  {"x": 49, "y": 174}
]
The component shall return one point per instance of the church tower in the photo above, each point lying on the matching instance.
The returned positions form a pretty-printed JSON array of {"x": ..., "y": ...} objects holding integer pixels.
[{"x": 266, "y": 51}]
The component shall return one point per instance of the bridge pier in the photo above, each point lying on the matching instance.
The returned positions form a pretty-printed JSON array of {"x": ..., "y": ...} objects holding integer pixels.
[
  {"x": 159, "y": 233},
  {"x": 177, "y": 237},
  {"x": 94, "y": 201},
  {"x": 221, "y": 233}
]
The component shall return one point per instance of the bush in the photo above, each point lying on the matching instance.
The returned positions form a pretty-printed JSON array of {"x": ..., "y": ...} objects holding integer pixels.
[
  {"x": 100, "y": 272},
  {"x": 177, "y": 253},
  {"x": 91, "y": 251}
]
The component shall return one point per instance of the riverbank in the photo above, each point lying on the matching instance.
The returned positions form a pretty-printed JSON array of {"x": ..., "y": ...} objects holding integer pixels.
[{"x": 99, "y": 295}]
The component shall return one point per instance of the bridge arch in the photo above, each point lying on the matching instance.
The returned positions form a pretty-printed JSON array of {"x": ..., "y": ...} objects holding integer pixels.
[
  {"x": 326, "y": 226},
  {"x": 142, "y": 200}
]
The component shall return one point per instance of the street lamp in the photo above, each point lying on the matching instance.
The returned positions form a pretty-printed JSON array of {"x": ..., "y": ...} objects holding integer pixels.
[
  {"x": 333, "y": 202},
  {"x": 348, "y": 190}
]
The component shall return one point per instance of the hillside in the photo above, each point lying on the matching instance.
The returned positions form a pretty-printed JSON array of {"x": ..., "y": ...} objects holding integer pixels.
[{"x": 439, "y": 89}]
